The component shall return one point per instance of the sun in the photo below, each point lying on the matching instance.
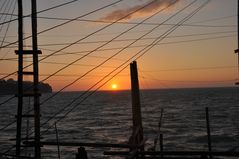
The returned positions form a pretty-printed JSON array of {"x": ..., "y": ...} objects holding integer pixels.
[{"x": 114, "y": 86}]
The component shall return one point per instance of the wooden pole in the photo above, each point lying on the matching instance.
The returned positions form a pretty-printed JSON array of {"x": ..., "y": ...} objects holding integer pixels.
[
  {"x": 36, "y": 81},
  {"x": 238, "y": 35},
  {"x": 137, "y": 135},
  {"x": 161, "y": 144},
  {"x": 20, "y": 78},
  {"x": 136, "y": 107},
  {"x": 208, "y": 134},
  {"x": 237, "y": 50},
  {"x": 57, "y": 141}
]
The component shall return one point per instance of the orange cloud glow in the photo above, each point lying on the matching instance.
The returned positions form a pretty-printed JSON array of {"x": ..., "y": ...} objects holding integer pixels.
[{"x": 148, "y": 10}]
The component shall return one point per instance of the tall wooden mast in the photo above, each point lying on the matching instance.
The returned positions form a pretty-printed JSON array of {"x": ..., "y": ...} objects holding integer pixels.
[
  {"x": 20, "y": 77},
  {"x": 237, "y": 50},
  {"x": 36, "y": 81},
  {"x": 137, "y": 137},
  {"x": 28, "y": 92},
  {"x": 136, "y": 107}
]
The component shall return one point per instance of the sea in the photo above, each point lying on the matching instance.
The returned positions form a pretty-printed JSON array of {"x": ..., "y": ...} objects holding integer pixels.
[{"x": 106, "y": 117}]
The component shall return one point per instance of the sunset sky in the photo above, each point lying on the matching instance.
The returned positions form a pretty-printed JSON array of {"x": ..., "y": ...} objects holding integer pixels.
[{"x": 198, "y": 53}]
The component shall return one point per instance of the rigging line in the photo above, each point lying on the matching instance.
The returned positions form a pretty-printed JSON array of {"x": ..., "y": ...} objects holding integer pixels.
[
  {"x": 91, "y": 93},
  {"x": 219, "y": 81},
  {"x": 142, "y": 82},
  {"x": 64, "y": 23},
  {"x": 130, "y": 23},
  {"x": 7, "y": 42},
  {"x": 194, "y": 40},
  {"x": 1, "y": 47},
  {"x": 3, "y": 5},
  {"x": 170, "y": 32},
  {"x": 8, "y": 14},
  {"x": 121, "y": 69},
  {"x": 156, "y": 79},
  {"x": 106, "y": 75},
  {"x": 61, "y": 54},
  {"x": 194, "y": 68},
  {"x": 85, "y": 65},
  {"x": 115, "y": 53},
  {"x": 5, "y": 17},
  {"x": 66, "y": 75},
  {"x": 76, "y": 41},
  {"x": 49, "y": 62},
  {"x": 184, "y": 20},
  {"x": 99, "y": 66},
  {"x": 160, "y": 44},
  {"x": 117, "y": 48},
  {"x": 77, "y": 35},
  {"x": 130, "y": 39},
  {"x": 84, "y": 93},
  {"x": 54, "y": 7},
  {"x": 160, "y": 82},
  {"x": 112, "y": 24},
  {"x": 8, "y": 28},
  {"x": 214, "y": 19},
  {"x": 7, "y": 151},
  {"x": 104, "y": 43},
  {"x": 9, "y": 124},
  {"x": 127, "y": 39},
  {"x": 137, "y": 46},
  {"x": 174, "y": 28},
  {"x": 190, "y": 40},
  {"x": 5, "y": 8}
]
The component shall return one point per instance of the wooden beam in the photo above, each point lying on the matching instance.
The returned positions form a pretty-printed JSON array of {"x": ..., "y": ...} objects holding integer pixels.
[
  {"x": 177, "y": 153},
  {"x": 78, "y": 144}
]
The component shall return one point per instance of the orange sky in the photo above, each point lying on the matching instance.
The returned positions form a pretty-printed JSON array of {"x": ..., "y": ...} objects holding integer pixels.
[{"x": 198, "y": 54}]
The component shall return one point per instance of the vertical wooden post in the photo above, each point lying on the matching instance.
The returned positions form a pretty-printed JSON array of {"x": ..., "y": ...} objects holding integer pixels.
[
  {"x": 161, "y": 144},
  {"x": 237, "y": 50},
  {"x": 35, "y": 74},
  {"x": 36, "y": 81},
  {"x": 57, "y": 141},
  {"x": 208, "y": 134},
  {"x": 136, "y": 107},
  {"x": 238, "y": 35},
  {"x": 20, "y": 78}
]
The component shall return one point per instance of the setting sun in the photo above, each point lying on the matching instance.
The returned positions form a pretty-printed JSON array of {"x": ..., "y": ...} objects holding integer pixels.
[{"x": 114, "y": 86}]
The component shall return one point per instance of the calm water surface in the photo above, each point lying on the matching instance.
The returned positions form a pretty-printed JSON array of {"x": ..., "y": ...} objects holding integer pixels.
[{"x": 106, "y": 117}]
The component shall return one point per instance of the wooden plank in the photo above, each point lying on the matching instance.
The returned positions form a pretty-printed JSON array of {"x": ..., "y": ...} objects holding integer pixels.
[
  {"x": 27, "y": 52},
  {"x": 78, "y": 144},
  {"x": 208, "y": 132},
  {"x": 177, "y": 153}
]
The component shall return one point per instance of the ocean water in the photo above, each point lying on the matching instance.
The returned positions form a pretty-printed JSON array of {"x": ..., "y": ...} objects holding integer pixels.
[{"x": 106, "y": 117}]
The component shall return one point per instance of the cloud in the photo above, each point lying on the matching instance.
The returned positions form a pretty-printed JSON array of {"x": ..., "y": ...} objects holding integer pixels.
[{"x": 148, "y": 10}]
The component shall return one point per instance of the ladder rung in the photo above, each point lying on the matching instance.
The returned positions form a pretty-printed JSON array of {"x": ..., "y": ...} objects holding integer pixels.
[
  {"x": 29, "y": 94},
  {"x": 29, "y": 138},
  {"x": 27, "y": 73},
  {"x": 27, "y": 116},
  {"x": 31, "y": 143},
  {"x": 28, "y": 52}
]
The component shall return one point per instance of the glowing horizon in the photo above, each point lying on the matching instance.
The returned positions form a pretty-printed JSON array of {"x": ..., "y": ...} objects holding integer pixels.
[{"x": 199, "y": 53}]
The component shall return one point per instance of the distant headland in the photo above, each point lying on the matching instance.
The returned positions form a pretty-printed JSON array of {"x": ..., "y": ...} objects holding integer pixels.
[{"x": 10, "y": 87}]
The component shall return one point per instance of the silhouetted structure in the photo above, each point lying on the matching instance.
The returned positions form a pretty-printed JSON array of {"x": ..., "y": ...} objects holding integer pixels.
[
  {"x": 82, "y": 154},
  {"x": 11, "y": 87}
]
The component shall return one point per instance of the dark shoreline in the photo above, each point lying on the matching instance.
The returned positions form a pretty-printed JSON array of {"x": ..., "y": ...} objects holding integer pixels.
[{"x": 11, "y": 87}]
